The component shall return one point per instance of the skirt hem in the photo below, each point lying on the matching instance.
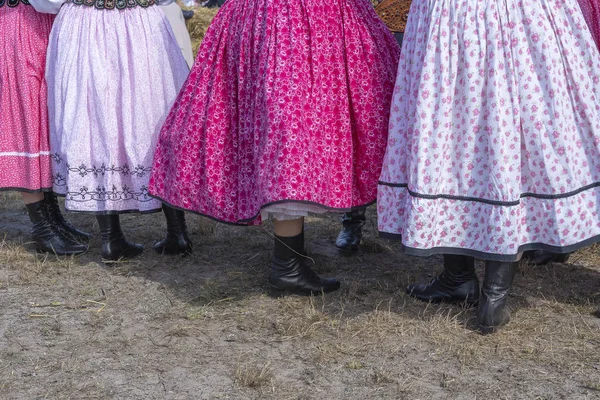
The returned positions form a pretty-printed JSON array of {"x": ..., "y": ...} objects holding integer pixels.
[
  {"x": 412, "y": 251},
  {"x": 113, "y": 212},
  {"x": 20, "y": 189},
  {"x": 249, "y": 221}
]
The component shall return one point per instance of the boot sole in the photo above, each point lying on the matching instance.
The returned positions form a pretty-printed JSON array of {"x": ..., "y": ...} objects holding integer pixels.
[
  {"x": 282, "y": 291},
  {"x": 184, "y": 252},
  {"x": 123, "y": 257},
  {"x": 75, "y": 253},
  {"x": 118, "y": 260},
  {"x": 347, "y": 251},
  {"x": 488, "y": 330},
  {"x": 467, "y": 301}
]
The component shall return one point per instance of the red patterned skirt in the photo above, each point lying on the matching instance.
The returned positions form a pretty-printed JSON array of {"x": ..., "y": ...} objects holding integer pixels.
[
  {"x": 591, "y": 13},
  {"x": 24, "y": 142},
  {"x": 287, "y": 105}
]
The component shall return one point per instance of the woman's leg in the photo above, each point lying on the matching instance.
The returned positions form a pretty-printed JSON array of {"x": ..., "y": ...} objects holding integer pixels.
[
  {"x": 288, "y": 228},
  {"x": 29, "y": 198},
  {"x": 289, "y": 271}
]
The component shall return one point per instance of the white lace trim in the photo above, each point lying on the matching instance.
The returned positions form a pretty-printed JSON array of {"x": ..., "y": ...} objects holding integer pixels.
[{"x": 18, "y": 154}]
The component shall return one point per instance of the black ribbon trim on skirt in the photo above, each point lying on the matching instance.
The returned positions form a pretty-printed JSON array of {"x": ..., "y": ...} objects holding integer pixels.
[
  {"x": 248, "y": 221},
  {"x": 489, "y": 201},
  {"x": 490, "y": 256}
]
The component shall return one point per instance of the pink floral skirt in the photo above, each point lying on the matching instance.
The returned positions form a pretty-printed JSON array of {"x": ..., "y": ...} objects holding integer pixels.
[
  {"x": 288, "y": 102},
  {"x": 24, "y": 143}
]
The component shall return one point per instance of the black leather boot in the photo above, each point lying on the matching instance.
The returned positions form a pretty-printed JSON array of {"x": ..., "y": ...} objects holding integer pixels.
[
  {"x": 212, "y": 3},
  {"x": 498, "y": 280},
  {"x": 47, "y": 236},
  {"x": 349, "y": 237},
  {"x": 456, "y": 284},
  {"x": 543, "y": 257},
  {"x": 289, "y": 271},
  {"x": 114, "y": 244},
  {"x": 177, "y": 240},
  {"x": 61, "y": 223}
]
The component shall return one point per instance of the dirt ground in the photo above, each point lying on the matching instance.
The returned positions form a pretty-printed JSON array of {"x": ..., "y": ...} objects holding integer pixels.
[{"x": 208, "y": 327}]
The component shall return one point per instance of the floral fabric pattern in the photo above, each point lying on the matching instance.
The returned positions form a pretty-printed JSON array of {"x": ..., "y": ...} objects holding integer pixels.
[
  {"x": 109, "y": 95},
  {"x": 288, "y": 101},
  {"x": 494, "y": 141},
  {"x": 24, "y": 143}
]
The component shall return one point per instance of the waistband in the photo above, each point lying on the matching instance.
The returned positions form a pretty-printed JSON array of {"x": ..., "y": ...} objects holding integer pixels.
[
  {"x": 112, "y": 4},
  {"x": 13, "y": 3}
]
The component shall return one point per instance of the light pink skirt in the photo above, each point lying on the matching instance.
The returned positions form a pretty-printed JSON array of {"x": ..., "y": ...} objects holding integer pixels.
[{"x": 112, "y": 77}]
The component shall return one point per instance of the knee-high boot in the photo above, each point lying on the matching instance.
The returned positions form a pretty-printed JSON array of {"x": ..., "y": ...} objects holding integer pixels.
[
  {"x": 457, "y": 282},
  {"x": 289, "y": 271},
  {"x": 114, "y": 244},
  {"x": 493, "y": 312},
  {"x": 47, "y": 236},
  {"x": 177, "y": 240}
]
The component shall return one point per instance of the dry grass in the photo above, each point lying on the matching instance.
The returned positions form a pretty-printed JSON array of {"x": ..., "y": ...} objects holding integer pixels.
[
  {"x": 73, "y": 327},
  {"x": 198, "y": 25},
  {"x": 254, "y": 375}
]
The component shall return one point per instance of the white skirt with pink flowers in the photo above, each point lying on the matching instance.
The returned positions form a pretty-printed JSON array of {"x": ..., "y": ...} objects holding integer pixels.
[{"x": 494, "y": 143}]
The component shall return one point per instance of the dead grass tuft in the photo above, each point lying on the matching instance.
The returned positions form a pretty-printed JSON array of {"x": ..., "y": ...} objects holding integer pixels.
[
  {"x": 354, "y": 364},
  {"x": 212, "y": 292},
  {"x": 254, "y": 375},
  {"x": 381, "y": 377}
]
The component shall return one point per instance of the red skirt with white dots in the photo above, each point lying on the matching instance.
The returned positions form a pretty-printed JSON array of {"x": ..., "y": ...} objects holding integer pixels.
[{"x": 24, "y": 142}]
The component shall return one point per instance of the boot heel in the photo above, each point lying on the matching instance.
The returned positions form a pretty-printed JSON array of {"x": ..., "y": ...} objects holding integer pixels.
[
  {"x": 276, "y": 291},
  {"x": 488, "y": 330}
]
